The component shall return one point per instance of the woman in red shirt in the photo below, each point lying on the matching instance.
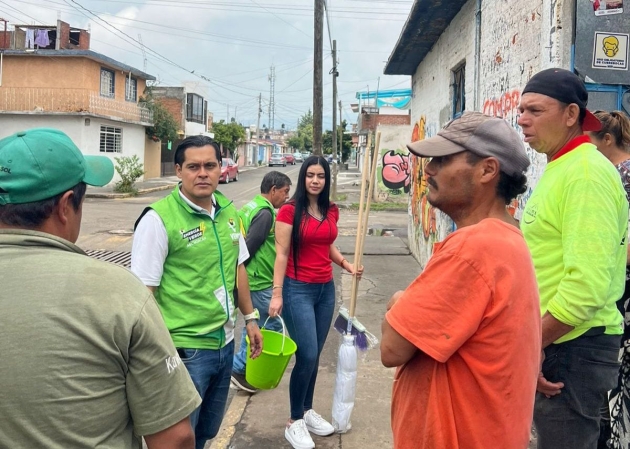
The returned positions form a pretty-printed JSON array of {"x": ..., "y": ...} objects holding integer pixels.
[{"x": 304, "y": 291}]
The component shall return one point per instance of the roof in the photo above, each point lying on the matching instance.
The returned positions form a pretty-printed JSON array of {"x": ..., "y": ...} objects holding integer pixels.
[
  {"x": 426, "y": 22},
  {"x": 83, "y": 54}
]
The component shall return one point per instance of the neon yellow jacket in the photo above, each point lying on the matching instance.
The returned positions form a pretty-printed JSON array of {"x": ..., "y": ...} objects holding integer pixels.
[{"x": 576, "y": 227}]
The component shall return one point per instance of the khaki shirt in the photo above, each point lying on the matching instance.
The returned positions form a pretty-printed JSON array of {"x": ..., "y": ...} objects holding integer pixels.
[{"x": 87, "y": 359}]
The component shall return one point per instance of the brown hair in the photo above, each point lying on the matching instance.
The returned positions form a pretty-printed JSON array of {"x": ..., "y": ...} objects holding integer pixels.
[{"x": 617, "y": 124}]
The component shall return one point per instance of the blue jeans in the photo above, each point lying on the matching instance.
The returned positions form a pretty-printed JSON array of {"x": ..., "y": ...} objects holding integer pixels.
[
  {"x": 588, "y": 367},
  {"x": 260, "y": 301},
  {"x": 210, "y": 371},
  {"x": 307, "y": 311}
]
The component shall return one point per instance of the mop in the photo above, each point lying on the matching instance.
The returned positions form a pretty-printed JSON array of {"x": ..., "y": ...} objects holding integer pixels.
[{"x": 354, "y": 332}]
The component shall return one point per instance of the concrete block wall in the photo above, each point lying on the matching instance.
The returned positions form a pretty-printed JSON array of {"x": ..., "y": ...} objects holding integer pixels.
[
  {"x": 518, "y": 39},
  {"x": 431, "y": 108}
]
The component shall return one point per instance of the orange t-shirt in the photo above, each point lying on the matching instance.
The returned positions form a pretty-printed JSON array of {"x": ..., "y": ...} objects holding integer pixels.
[{"x": 474, "y": 315}]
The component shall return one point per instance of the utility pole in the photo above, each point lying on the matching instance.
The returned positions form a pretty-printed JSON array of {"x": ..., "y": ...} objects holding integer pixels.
[
  {"x": 335, "y": 170},
  {"x": 340, "y": 131},
  {"x": 318, "y": 95},
  {"x": 272, "y": 103},
  {"x": 255, "y": 155}
]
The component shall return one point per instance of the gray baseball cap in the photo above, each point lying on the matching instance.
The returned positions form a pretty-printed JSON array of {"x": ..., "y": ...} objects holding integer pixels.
[{"x": 480, "y": 134}]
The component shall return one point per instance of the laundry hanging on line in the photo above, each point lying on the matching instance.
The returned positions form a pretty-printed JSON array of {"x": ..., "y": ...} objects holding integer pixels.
[{"x": 42, "y": 38}]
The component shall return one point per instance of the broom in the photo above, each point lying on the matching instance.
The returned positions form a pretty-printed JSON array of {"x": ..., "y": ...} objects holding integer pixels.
[{"x": 346, "y": 323}]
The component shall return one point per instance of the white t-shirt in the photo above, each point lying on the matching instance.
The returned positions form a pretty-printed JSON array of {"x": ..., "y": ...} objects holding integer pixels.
[{"x": 150, "y": 246}]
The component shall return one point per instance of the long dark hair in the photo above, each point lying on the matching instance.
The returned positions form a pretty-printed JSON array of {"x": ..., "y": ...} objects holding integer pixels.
[{"x": 300, "y": 202}]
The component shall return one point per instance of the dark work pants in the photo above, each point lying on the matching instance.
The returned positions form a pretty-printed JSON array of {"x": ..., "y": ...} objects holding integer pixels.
[{"x": 588, "y": 367}]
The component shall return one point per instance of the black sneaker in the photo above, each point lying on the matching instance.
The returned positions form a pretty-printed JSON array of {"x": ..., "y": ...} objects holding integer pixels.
[{"x": 239, "y": 382}]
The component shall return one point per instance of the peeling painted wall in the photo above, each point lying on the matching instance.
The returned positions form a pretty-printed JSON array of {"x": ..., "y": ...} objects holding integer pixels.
[{"x": 518, "y": 39}]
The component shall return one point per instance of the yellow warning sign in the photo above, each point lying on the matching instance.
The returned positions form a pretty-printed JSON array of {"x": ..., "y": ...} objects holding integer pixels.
[{"x": 610, "y": 51}]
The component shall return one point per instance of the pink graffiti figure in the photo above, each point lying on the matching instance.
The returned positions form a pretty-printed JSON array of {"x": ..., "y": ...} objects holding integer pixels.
[{"x": 396, "y": 171}]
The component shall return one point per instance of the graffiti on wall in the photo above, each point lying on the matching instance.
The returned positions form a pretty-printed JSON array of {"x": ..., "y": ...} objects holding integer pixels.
[
  {"x": 424, "y": 215},
  {"x": 504, "y": 106},
  {"x": 395, "y": 171}
]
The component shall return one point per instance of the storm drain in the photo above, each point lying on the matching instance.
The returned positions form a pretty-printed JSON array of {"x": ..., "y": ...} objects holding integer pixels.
[{"x": 118, "y": 257}]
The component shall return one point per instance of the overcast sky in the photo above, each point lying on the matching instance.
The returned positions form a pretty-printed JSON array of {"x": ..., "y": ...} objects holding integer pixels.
[{"x": 233, "y": 43}]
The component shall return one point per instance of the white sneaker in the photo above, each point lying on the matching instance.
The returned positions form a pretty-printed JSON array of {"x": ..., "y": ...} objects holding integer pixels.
[
  {"x": 297, "y": 434},
  {"x": 317, "y": 425}
]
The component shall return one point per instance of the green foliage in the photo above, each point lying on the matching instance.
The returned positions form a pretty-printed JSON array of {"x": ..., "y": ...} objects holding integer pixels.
[
  {"x": 303, "y": 140},
  {"x": 346, "y": 149},
  {"x": 230, "y": 135},
  {"x": 165, "y": 126},
  {"x": 130, "y": 169}
]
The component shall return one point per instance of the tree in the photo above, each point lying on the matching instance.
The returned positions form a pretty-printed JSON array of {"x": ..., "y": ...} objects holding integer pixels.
[
  {"x": 229, "y": 135},
  {"x": 303, "y": 139},
  {"x": 165, "y": 126},
  {"x": 346, "y": 148}
]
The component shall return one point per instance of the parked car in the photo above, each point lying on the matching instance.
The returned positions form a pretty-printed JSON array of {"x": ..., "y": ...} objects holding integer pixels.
[
  {"x": 305, "y": 155},
  {"x": 290, "y": 158},
  {"x": 277, "y": 159},
  {"x": 229, "y": 170},
  {"x": 298, "y": 157}
]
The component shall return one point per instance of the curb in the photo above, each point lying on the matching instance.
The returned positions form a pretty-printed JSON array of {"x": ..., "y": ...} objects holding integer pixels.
[
  {"x": 128, "y": 195},
  {"x": 385, "y": 209}
]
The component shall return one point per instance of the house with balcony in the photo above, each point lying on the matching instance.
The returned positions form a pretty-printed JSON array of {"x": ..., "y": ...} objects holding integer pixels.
[
  {"x": 190, "y": 110},
  {"x": 89, "y": 96}
]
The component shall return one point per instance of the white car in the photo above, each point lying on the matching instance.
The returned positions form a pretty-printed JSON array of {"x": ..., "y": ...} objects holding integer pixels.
[{"x": 277, "y": 159}]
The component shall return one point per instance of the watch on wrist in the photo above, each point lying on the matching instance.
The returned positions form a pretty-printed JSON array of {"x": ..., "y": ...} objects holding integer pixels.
[{"x": 255, "y": 315}]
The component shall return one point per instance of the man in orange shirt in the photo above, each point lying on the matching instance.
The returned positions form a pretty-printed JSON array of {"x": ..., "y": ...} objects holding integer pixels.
[{"x": 465, "y": 335}]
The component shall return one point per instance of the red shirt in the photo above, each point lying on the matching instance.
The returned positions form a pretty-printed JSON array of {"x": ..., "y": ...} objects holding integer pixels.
[{"x": 314, "y": 263}]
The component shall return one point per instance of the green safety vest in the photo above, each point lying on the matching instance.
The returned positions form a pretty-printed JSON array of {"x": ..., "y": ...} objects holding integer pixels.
[
  {"x": 260, "y": 266},
  {"x": 196, "y": 290}
]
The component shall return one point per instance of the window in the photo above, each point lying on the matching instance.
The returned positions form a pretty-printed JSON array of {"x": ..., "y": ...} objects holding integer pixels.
[
  {"x": 131, "y": 89},
  {"x": 107, "y": 83},
  {"x": 195, "y": 108},
  {"x": 111, "y": 139},
  {"x": 459, "y": 94}
]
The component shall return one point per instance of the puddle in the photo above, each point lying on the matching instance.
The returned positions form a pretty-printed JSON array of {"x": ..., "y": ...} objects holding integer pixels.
[
  {"x": 381, "y": 232},
  {"x": 120, "y": 232}
]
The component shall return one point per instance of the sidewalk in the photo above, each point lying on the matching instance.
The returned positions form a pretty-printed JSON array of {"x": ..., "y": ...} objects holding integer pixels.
[
  {"x": 258, "y": 421},
  {"x": 148, "y": 186}
]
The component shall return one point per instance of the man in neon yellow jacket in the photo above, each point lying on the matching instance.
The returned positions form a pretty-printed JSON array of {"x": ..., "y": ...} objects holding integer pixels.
[{"x": 576, "y": 225}]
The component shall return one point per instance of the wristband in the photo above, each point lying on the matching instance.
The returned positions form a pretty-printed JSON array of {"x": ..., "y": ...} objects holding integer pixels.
[
  {"x": 342, "y": 261},
  {"x": 276, "y": 286},
  {"x": 255, "y": 315}
]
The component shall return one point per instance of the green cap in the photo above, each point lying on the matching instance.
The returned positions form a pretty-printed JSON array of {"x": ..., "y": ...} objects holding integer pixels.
[{"x": 41, "y": 163}]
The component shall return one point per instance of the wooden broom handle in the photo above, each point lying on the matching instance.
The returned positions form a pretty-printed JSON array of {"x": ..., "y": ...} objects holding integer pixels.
[
  {"x": 363, "y": 224},
  {"x": 358, "y": 241}
]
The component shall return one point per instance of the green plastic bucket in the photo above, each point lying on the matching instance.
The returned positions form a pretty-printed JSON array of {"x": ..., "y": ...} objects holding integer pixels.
[{"x": 265, "y": 371}]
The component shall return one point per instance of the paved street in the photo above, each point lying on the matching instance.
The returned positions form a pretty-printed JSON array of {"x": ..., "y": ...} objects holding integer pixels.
[{"x": 258, "y": 421}]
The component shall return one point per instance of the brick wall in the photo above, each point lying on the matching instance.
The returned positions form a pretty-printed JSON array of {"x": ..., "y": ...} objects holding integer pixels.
[
  {"x": 371, "y": 121},
  {"x": 64, "y": 37},
  {"x": 175, "y": 107},
  {"x": 84, "y": 40}
]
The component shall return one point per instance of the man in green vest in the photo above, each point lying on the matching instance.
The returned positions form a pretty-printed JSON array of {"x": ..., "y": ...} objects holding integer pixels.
[
  {"x": 189, "y": 251},
  {"x": 258, "y": 218}
]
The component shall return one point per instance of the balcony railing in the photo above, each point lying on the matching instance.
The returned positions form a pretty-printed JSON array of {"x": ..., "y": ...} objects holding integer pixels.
[{"x": 31, "y": 99}]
